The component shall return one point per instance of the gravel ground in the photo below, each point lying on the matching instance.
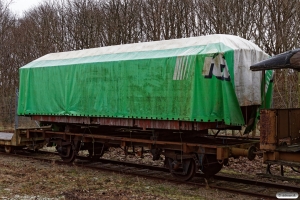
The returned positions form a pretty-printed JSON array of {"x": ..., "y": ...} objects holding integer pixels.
[{"x": 28, "y": 179}]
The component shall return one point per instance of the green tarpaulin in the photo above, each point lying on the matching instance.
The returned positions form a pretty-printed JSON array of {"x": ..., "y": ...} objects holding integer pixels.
[{"x": 194, "y": 79}]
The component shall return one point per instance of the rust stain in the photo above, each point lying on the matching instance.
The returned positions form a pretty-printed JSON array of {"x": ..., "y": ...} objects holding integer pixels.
[{"x": 130, "y": 122}]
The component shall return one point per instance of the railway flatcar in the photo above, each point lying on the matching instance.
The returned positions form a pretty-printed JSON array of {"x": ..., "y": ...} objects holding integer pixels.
[
  {"x": 19, "y": 139},
  {"x": 280, "y": 128},
  {"x": 163, "y": 96}
]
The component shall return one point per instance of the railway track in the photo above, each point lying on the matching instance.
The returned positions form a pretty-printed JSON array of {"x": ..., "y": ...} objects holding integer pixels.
[{"x": 254, "y": 188}]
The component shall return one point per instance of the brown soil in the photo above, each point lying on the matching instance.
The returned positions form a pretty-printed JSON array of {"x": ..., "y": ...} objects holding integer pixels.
[{"x": 28, "y": 179}]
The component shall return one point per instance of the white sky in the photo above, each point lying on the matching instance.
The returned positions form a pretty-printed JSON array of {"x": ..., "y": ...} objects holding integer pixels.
[{"x": 19, "y": 6}]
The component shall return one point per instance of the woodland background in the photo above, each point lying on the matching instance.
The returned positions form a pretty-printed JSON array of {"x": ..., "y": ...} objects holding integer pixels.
[{"x": 64, "y": 25}]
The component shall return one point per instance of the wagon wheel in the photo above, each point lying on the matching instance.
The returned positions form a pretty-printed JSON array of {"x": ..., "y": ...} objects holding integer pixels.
[
  {"x": 8, "y": 149},
  {"x": 66, "y": 153},
  {"x": 210, "y": 166},
  {"x": 71, "y": 157},
  {"x": 183, "y": 171}
]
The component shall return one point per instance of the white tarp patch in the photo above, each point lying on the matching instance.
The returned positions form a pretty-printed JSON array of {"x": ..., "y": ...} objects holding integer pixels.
[
  {"x": 216, "y": 66},
  {"x": 182, "y": 67}
]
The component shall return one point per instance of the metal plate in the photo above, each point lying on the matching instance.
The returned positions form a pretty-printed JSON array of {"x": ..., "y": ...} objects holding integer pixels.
[{"x": 6, "y": 136}]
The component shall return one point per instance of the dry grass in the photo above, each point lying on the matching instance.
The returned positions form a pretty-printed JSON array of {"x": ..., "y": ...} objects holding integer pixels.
[{"x": 28, "y": 179}]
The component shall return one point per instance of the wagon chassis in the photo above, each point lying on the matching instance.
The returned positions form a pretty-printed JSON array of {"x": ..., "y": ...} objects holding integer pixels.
[
  {"x": 195, "y": 150},
  {"x": 186, "y": 145}
]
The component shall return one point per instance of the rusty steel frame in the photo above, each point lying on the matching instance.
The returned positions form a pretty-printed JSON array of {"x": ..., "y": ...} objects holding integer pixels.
[
  {"x": 21, "y": 138},
  {"x": 222, "y": 151},
  {"x": 280, "y": 135},
  {"x": 268, "y": 130},
  {"x": 282, "y": 157},
  {"x": 278, "y": 126}
]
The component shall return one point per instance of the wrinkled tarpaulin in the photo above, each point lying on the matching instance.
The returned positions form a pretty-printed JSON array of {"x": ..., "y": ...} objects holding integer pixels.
[{"x": 203, "y": 78}]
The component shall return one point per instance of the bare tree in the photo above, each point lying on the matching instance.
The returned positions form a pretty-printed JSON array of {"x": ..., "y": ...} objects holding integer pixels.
[
  {"x": 62, "y": 25},
  {"x": 277, "y": 29},
  {"x": 234, "y": 17},
  {"x": 83, "y": 23},
  {"x": 277, "y": 32},
  {"x": 122, "y": 21},
  {"x": 7, "y": 69}
]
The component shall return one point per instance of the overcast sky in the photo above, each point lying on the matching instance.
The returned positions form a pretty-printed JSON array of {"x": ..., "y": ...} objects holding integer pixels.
[{"x": 19, "y": 6}]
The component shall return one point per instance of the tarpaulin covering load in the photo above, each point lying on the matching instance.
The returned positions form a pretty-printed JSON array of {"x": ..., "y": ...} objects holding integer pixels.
[{"x": 204, "y": 78}]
